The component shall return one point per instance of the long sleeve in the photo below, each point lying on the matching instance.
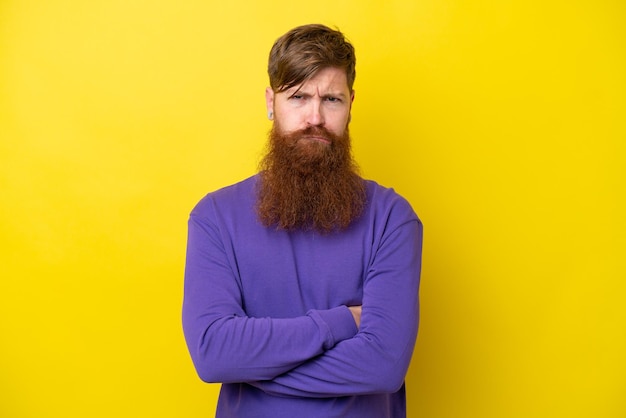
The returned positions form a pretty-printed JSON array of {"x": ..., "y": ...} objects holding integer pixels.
[
  {"x": 377, "y": 358},
  {"x": 226, "y": 345}
]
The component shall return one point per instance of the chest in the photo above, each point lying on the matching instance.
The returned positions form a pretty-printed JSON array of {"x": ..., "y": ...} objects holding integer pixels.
[{"x": 286, "y": 274}]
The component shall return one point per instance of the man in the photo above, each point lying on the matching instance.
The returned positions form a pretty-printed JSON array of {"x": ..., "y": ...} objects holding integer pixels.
[{"x": 301, "y": 282}]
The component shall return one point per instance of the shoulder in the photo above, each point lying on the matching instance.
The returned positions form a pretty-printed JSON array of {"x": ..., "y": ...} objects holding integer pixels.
[
  {"x": 228, "y": 198},
  {"x": 386, "y": 202}
]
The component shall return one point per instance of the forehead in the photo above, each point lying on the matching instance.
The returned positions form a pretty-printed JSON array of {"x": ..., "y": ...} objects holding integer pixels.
[{"x": 326, "y": 80}]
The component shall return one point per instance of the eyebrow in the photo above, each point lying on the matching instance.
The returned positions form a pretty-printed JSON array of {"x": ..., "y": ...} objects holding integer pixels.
[
  {"x": 299, "y": 92},
  {"x": 339, "y": 95}
]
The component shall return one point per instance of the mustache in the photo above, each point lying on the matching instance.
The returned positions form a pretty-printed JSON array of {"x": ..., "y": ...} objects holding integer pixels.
[{"x": 318, "y": 131}]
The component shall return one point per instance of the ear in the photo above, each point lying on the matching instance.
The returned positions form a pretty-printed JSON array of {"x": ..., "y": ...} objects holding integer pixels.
[
  {"x": 351, "y": 101},
  {"x": 269, "y": 100},
  {"x": 351, "y": 98}
]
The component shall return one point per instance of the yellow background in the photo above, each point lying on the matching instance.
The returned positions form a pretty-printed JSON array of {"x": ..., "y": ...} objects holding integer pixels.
[{"x": 503, "y": 122}]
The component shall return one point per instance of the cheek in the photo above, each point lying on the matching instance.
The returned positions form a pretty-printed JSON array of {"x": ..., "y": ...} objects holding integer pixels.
[
  {"x": 285, "y": 125},
  {"x": 339, "y": 124},
  {"x": 288, "y": 121}
]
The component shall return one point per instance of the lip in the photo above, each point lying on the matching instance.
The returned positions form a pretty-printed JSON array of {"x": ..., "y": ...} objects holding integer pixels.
[{"x": 317, "y": 138}]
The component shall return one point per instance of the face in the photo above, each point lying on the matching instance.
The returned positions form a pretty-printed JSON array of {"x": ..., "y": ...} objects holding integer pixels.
[{"x": 323, "y": 101}]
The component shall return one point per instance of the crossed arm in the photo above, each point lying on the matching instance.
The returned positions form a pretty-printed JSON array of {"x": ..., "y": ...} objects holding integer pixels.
[{"x": 325, "y": 353}]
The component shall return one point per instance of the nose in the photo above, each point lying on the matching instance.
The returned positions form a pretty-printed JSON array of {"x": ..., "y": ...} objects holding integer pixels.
[{"x": 315, "y": 114}]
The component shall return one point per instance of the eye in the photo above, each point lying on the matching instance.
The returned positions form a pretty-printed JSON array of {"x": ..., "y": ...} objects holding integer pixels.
[
  {"x": 332, "y": 99},
  {"x": 297, "y": 97}
]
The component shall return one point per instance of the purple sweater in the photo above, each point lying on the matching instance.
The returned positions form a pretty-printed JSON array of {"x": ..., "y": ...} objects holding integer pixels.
[{"x": 265, "y": 310}]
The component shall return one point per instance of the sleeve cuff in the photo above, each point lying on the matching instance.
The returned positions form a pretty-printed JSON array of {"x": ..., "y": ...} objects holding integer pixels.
[{"x": 336, "y": 324}]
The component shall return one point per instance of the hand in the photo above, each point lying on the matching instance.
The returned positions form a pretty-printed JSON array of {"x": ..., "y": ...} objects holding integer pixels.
[{"x": 356, "y": 314}]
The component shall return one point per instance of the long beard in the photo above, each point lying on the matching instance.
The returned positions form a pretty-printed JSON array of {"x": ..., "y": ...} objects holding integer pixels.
[{"x": 307, "y": 184}]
